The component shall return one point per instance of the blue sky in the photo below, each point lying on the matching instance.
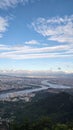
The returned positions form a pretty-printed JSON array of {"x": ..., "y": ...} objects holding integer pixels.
[{"x": 36, "y": 35}]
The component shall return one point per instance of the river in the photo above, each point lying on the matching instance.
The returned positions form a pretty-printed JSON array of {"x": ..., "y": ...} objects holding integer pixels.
[{"x": 45, "y": 85}]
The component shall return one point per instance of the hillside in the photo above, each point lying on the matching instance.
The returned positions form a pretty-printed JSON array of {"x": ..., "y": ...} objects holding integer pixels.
[{"x": 59, "y": 107}]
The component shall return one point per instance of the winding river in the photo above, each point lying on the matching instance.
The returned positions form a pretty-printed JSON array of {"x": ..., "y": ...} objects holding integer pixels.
[{"x": 45, "y": 85}]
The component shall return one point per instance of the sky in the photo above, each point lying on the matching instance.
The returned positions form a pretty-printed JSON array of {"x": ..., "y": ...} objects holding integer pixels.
[{"x": 36, "y": 35}]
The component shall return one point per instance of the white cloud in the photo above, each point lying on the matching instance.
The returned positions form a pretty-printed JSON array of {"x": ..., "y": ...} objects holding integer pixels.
[
  {"x": 27, "y": 52},
  {"x": 56, "y": 29},
  {"x": 32, "y": 42},
  {"x": 34, "y": 56},
  {"x": 3, "y": 25},
  {"x": 4, "y": 4}
]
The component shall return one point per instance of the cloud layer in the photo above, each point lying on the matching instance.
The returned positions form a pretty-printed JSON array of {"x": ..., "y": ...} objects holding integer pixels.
[
  {"x": 27, "y": 52},
  {"x": 55, "y": 29},
  {"x": 59, "y": 29}
]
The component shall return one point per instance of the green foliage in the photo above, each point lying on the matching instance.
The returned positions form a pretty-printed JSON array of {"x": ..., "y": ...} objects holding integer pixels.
[
  {"x": 61, "y": 127},
  {"x": 42, "y": 124},
  {"x": 45, "y": 112}
]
